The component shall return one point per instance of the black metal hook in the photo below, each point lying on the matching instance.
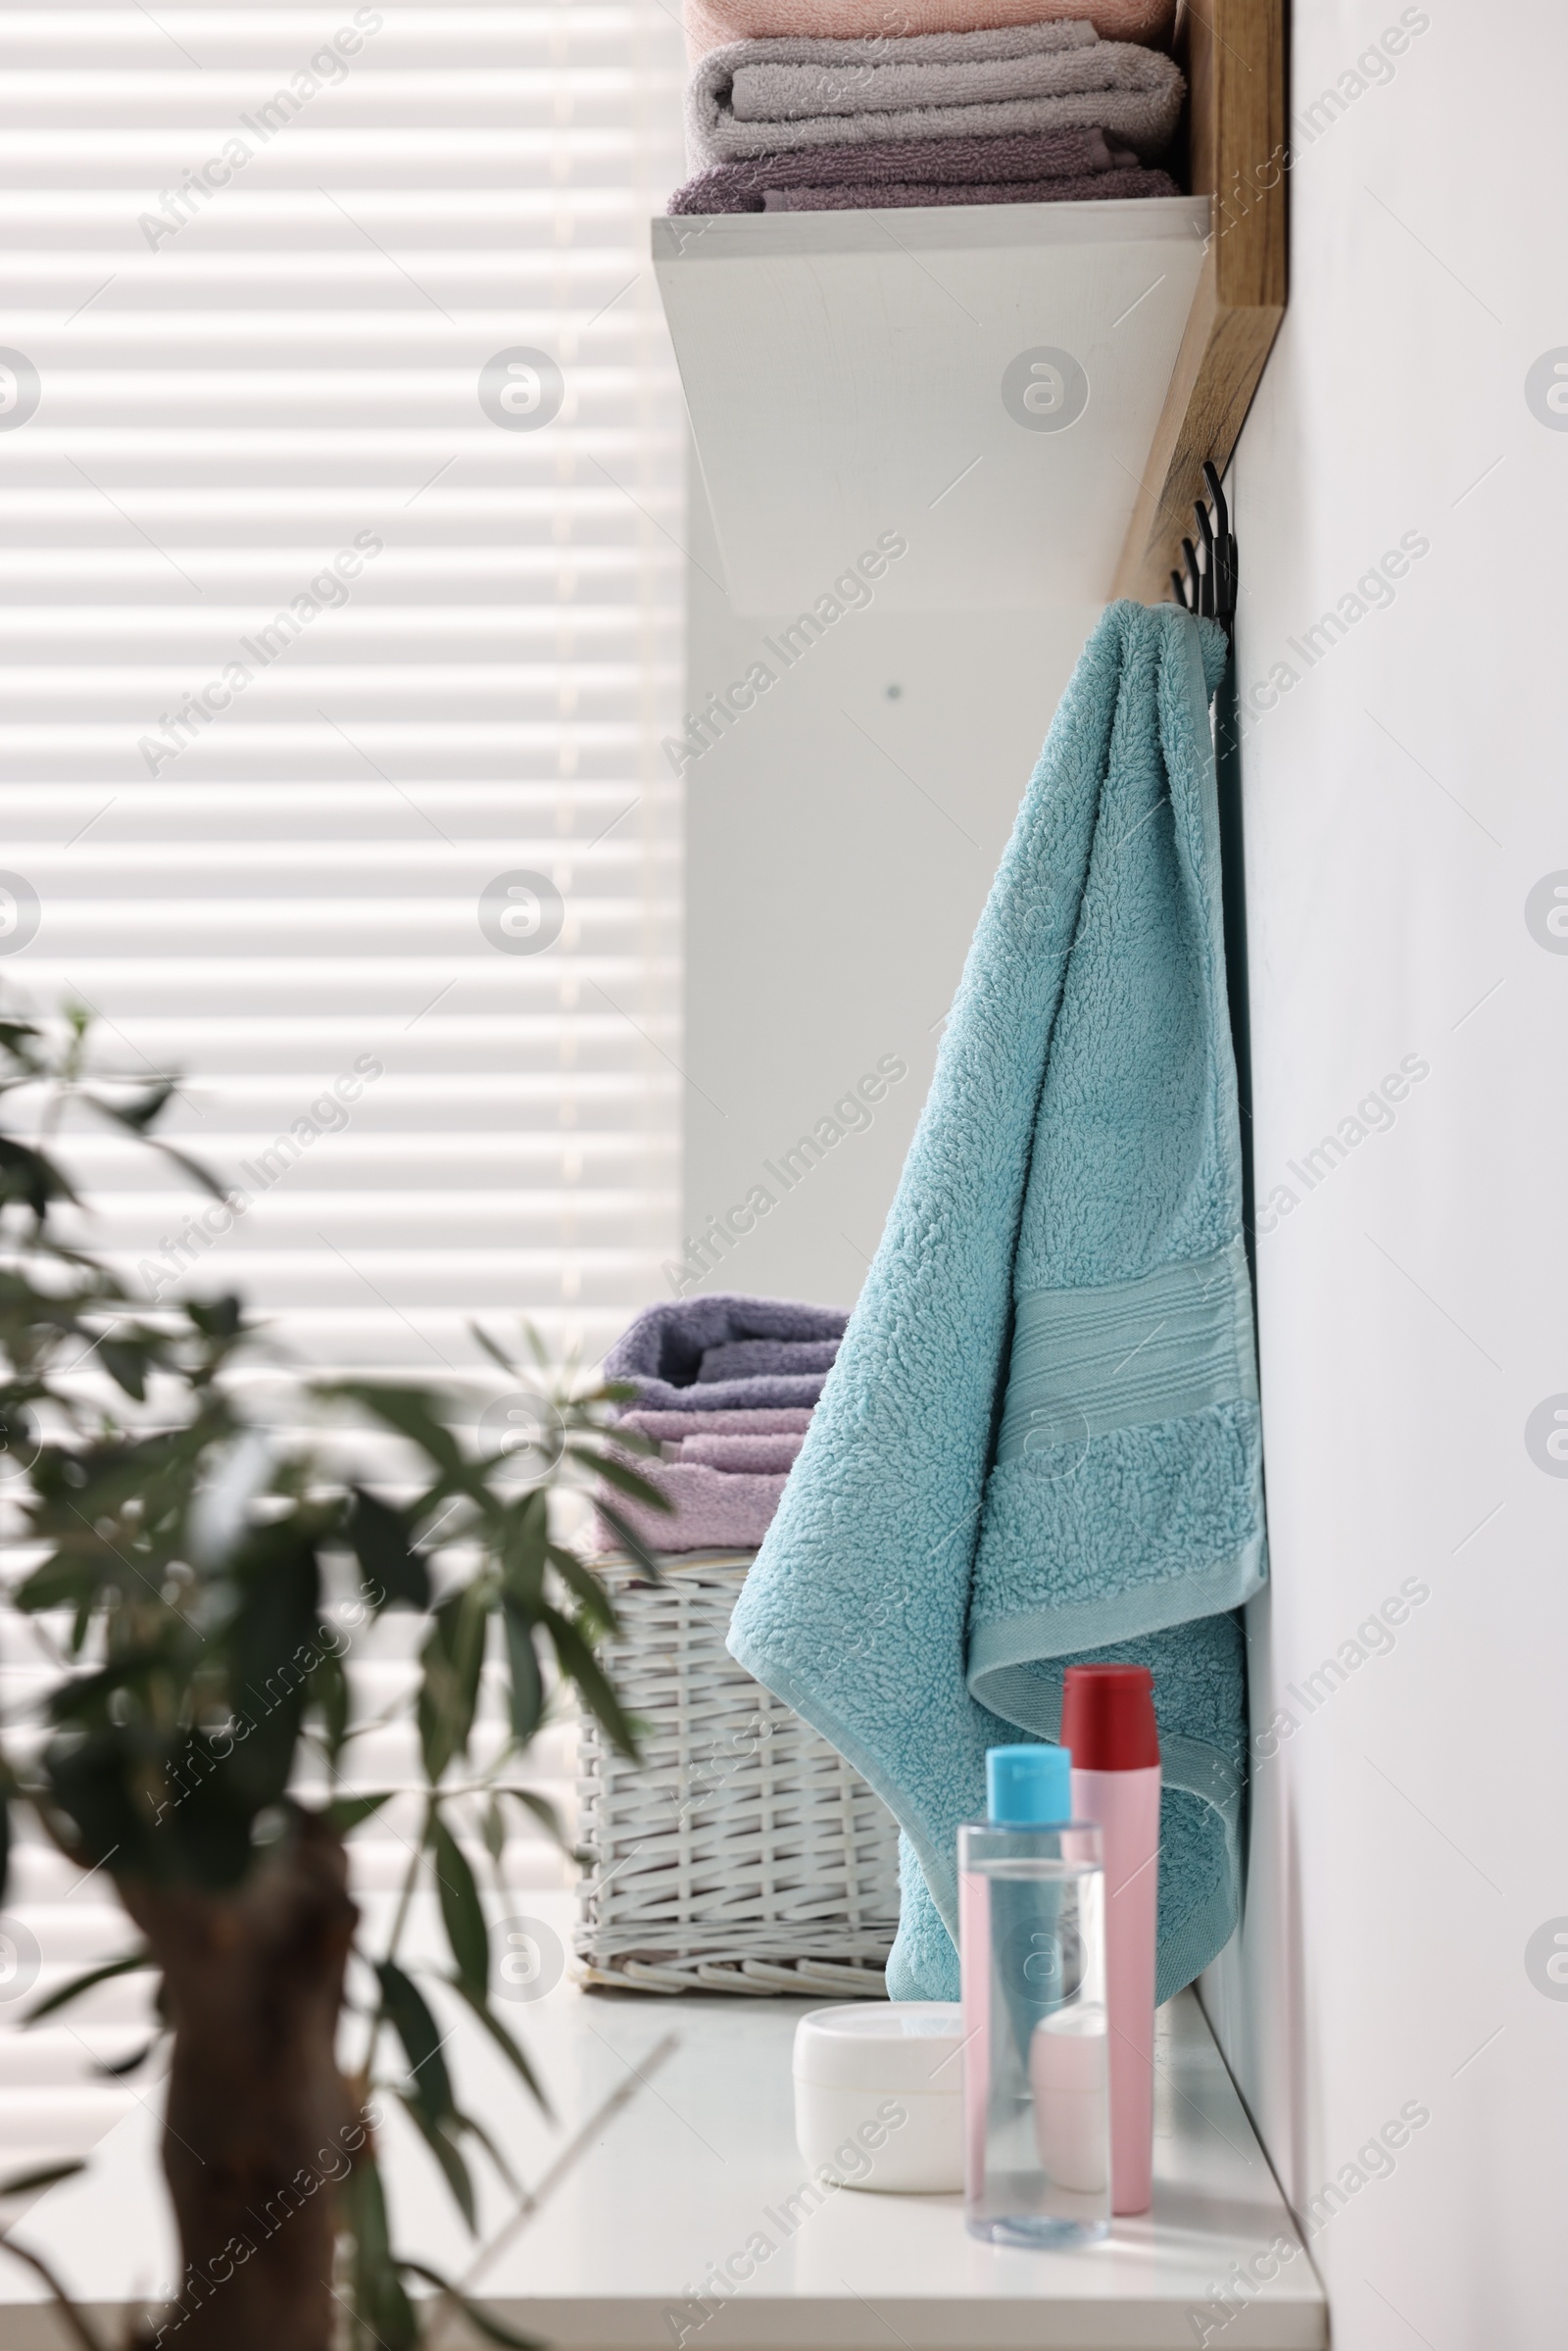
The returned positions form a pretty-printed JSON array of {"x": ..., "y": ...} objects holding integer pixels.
[{"x": 1209, "y": 587}]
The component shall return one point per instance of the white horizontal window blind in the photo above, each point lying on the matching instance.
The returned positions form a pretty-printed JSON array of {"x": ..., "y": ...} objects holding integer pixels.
[{"x": 340, "y": 454}]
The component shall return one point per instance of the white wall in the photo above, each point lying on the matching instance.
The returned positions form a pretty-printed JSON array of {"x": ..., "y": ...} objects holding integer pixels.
[
  {"x": 841, "y": 841},
  {"x": 1403, "y": 798}
]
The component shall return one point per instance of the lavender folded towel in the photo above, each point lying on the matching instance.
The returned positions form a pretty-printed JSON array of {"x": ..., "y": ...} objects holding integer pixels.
[
  {"x": 1098, "y": 187},
  {"x": 775, "y": 1454},
  {"x": 746, "y": 1358},
  {"x": 742, "y": 187},
  {"x": 770, "y": 97},
  {"x": 713, "y": 1508},
  {"x": 785, "y": 1420},
  {"x": 661, "y": 1351}
]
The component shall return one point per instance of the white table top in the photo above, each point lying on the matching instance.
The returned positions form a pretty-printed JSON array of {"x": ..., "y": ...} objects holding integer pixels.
[{"x": 700, "y": 2161}]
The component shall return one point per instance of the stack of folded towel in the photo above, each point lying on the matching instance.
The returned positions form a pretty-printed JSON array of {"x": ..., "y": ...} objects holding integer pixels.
[
  {"x": 725, "y": 1387},
  {"x": 811, "y": 106}
]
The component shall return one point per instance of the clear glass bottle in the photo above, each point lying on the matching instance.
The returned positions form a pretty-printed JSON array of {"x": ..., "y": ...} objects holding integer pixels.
[{"x": 1032, "y": 1948}]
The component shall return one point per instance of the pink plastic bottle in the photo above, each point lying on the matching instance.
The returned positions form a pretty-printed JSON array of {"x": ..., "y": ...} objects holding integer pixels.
[{"x": 1108, "y": 1723}]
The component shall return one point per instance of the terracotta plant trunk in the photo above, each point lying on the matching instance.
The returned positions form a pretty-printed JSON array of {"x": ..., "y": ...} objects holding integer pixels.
[{"x": 260, "y": 2126}]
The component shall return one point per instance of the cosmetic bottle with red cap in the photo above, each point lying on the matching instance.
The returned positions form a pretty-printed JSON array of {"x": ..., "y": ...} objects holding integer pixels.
[{"x": 1108, "y": 1725}]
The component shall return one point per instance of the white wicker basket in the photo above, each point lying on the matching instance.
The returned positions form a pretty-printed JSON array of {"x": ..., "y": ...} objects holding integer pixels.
[{"x": 741, "y": 1854}]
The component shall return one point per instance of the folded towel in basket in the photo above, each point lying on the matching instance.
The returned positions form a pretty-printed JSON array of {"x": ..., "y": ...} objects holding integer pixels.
[
  {"x": 713, "y": 1509},
  {"x": 742, "y": 187},
  {"x": 1040, "y": 1439},
  {"x": 770, "y": 97},
  {"x": 773, "y": 1454},
  {"x": 748, "y": 1359},
  {"x": 711, "y": 24},
  {"x": 784, "y": 1420},
  {"x": 660, "y": 1354},
  {"x": 1098, "y": 187}
]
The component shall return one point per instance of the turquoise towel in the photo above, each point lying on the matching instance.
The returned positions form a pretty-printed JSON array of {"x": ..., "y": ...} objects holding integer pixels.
[{"x": 1040, "y": 1440}]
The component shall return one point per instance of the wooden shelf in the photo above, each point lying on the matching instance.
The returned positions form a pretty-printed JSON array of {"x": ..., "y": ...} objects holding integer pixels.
[
  {"x": 1235, "y": 55},
  {"x": 848, "y": 374}
]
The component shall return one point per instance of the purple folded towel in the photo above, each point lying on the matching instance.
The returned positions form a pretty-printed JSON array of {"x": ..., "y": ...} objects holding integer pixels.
[
  {"x": 663, "y": 1350},
  {"x": 752, "y": 1358},
  {"x": 715, "y": 1509},
  {"x": 775, "y": 1454},
  {"x": 1099, "y": 187},
  {"x": 785, "y": 1420},
  {"x": 742, "y": 186}
]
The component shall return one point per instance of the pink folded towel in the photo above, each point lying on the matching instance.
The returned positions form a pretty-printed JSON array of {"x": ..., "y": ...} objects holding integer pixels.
[
  {"x": 732, "y": 1454},
  {"x": 1098, "y": 187},
  {"x": 761, "y": 1420},
  {"x": 711, "y": 24},
  {"x": 715, "y": 1509}
]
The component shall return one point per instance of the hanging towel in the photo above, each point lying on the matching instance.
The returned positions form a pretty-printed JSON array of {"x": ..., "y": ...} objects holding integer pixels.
[
  {"x": 713, "y": 24},
  {"x": 1039, "y": 1442},
  {"x": 770, "y": 97},
  {"x": 660, "y": 1354}
]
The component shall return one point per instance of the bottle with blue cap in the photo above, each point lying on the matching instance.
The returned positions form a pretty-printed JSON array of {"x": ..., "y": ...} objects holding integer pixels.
[{"x": 1032, "y": 1948}]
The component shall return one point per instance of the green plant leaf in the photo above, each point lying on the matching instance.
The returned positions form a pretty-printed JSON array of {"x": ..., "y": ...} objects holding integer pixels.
[
  {"x": 406, "y": 2009},
  {"x": 346, "y": 1812},
  {"x": 384, "y": 2317},
  {"x": 438, "y": 2139},
  {"x": 504, "y": 2041},
  {"x": 329, "y": 1690},
  {"x": 629, "y": 1540},
  {"x": 451, "y": 1657},
  {"x": 597, "y": 1605},
  {"x": 545, "y": 1813},
  {"x": 461, "y": 1911},
  {"x": 126, "y": 1364},
  {"x": 476, "y": 2129},
  {"x": 129, "y": 2065},
  {"x": 527, "y": 1689},
  {"x": 411, "y": 1412},
  {"x": 606, "y": 1465},
  {"x": 49, "y": 2175},
  {"x": 395, "y": 1573},
  {"x": 496, "y": 1354},
  {"x": 64, "y": 1993},
  {"x": 490, "y": 2328},
  {"x": 580, "y": 1664}
]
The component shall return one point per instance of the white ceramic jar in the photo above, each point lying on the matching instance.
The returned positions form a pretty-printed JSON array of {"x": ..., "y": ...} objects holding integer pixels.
[{"x": 878, "y": 2094}]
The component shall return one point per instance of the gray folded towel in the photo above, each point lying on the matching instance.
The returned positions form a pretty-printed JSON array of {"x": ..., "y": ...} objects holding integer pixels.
[
  {"x": 741, "y": 187},
  {"x": 934, "y": 69},
  {"x": 1094, "y": 187},
  {"x": 770, "y": 97},
  {"x": 755, "y": 1358}
]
